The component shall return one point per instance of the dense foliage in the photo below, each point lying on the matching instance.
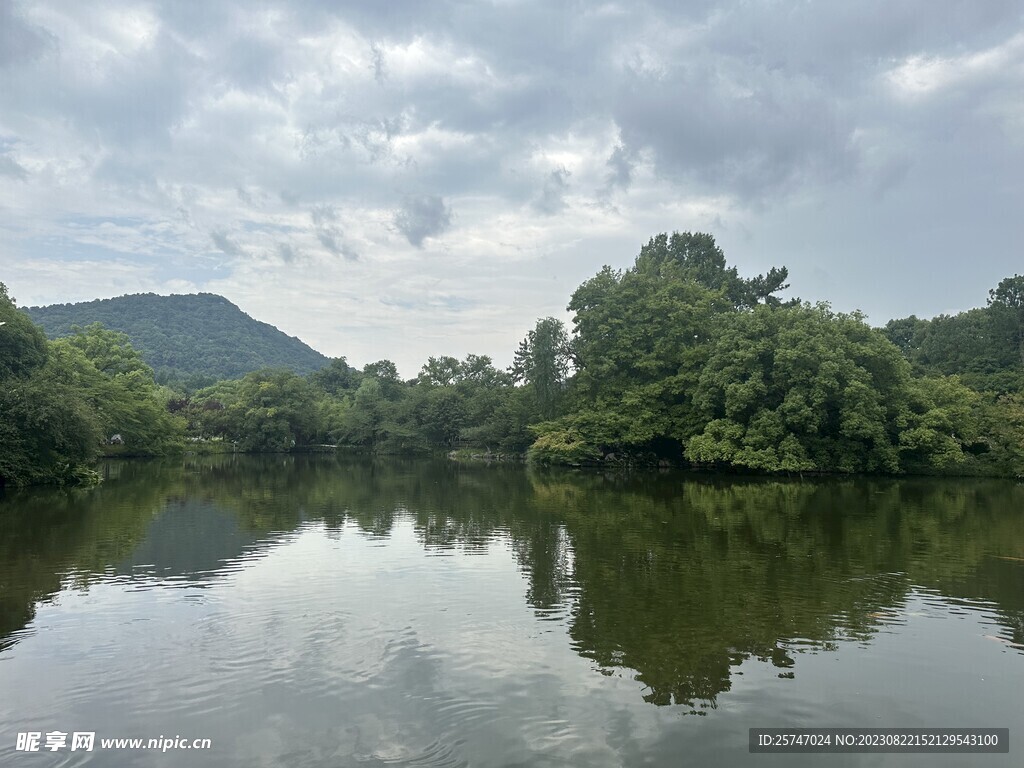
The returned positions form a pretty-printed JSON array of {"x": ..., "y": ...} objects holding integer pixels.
[
  {"x": 680, "y": 359},
  {"x": 450, "y": 403},
  {"x": 189, "y": 341},
  {"x": 676, "y": 360},
  {"x": 61, "y": 401},
  {"x": 984, "y": 346}
]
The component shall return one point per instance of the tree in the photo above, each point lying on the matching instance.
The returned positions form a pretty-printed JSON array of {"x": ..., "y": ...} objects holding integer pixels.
[
  {"x": 695, "y": 256},
  {"x": 49, "y": 429},
  {"x": 641, "y": 339},
  {"x": 805, "y": 389},
  {"x": 941, "y": 425},
  {"x": 386, "y": 373},
  {"x": 906, "y": 333},
  {"x": 337, "y": 378},
  {"x": 479, "y": 371},
  {"x": 438, "y": 415},
  {"x": 1007, "y": 299},
  {"x": 122, "y": 389},
  {"x": 440, "y": 371},
  {"x": 275, "y": 410},
  {"x": 110, "y": 351},
  {"x": 983, "y": 346},
  {"x": 22, "y": 344},
  {"x": 542, "y": 362}
]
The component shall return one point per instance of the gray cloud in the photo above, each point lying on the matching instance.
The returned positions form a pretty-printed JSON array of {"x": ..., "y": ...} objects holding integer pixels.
[
  {"x": 287, "y": 252},
  {"x": 378, "y": 65},
  {"x": 323, "y": 215},
  {"x": 552, "y": 195},
  {"x": 329, "y": 234},
  {"x": 20, "y": 41},
  {"x": 750, "y": 132},
  {"x": 332, "y": 240},
  {"x": 226, "y": 245},
  {"x": 10, "y": 167},
  {"x": 421, "y": 217},
  {"x": 620, "y": 168}
]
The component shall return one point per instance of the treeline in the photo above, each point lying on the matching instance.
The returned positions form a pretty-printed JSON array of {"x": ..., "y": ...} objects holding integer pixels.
[
  {"x": 984, "y": 346},
  {"x": 676, "y": 360},
  {"x": 680, "y": 356},
  {"x": 452, "y": 402},
  {"x": 61, "y": 401}
]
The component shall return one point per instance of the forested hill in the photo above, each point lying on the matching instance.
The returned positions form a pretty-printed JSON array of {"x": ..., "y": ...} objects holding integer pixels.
[{"x": 192, "y": 340}]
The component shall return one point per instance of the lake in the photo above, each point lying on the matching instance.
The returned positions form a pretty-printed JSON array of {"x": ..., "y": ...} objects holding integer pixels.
[{"x": 323, "y": 611}]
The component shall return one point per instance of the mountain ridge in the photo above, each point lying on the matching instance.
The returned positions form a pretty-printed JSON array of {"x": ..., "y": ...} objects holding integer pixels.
[{"x": 189, "y": 339}]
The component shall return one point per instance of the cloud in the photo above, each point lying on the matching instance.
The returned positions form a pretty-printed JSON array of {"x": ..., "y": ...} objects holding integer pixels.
[
  {"x": 332, "y": 240},
  {"x": 750, "y": 132},
  {"x": 287, "y": 252},
  {"x": 552, "y": 196},
  {"x": 226, "y": 245},
  {"x": 20, "y": 41},
  {"x": 844, "y": 138},
  {"x": 329, "y": 234},
  {"x": 421, "y": 217},
  {"x": 10, "y": 167},
  {"x": 918, "y": 76},
  {"x": 620, "y": 169},
  {"x": 378, "y": 64}
]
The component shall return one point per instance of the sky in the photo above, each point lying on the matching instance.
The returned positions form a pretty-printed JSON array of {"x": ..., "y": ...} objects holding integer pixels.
[{"x": 406, "y": 179}]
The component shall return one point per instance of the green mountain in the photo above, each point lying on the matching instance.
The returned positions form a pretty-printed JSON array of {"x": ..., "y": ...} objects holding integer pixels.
[{"x": 191, "y": 340}]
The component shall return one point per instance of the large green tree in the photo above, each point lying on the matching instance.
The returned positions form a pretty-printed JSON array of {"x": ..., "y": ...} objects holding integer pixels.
[
  {"x": 49, "y": 429},
  {"x": 1007, "y": 304},
  {"x": 803, "y": 388},
  {"x": 122, "y": 390},
  {"x": 542, "y": 363},
  {"x": 640, "y": 341},
  {"x": 22, "y": 343},
  {"x": 696, "y": 257},
  {"x": 274, "y": 410}
]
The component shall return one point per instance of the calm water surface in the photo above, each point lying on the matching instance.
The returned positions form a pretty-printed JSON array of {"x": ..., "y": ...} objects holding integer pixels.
[{"x": 304, "y": 611}]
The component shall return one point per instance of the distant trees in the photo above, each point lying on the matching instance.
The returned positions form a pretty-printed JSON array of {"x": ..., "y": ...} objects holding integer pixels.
[
  {"x": 984, "y": 346},
  {"x": 336, "y": 378}
]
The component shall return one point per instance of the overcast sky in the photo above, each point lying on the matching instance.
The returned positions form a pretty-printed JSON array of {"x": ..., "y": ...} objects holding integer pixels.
[{"x": 403, "y": 179}]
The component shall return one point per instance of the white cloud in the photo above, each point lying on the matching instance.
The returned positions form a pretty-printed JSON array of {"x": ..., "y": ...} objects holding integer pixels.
[{"x": 925, "y": 75}]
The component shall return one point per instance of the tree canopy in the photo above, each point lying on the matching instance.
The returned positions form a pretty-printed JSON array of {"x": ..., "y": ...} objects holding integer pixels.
[{"x": 60, "y": 401}]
